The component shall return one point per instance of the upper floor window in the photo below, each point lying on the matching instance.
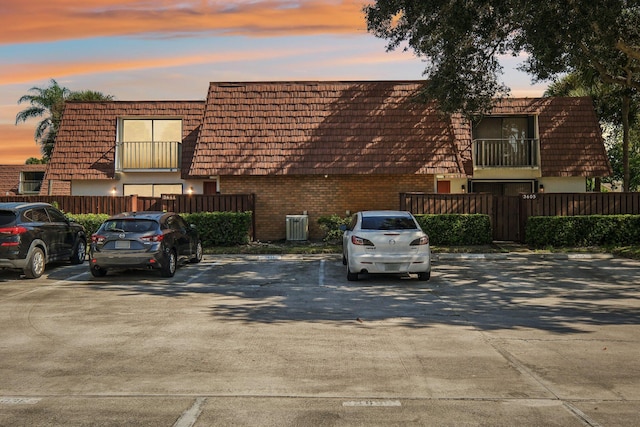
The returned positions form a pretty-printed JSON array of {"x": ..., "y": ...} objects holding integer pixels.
[
  {"x": 145, "y": 144},
  {"x": 508, "y": 141},
  {"x": 30, "y": 182}
]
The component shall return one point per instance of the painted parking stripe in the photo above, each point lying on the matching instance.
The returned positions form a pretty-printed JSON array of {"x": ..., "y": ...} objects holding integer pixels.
[
  {"x": 191, "y": 415},
  {"x": 321, "y": 273},
  {"x": 19, "y": 400},
  {"x": 372, "y": 403}
]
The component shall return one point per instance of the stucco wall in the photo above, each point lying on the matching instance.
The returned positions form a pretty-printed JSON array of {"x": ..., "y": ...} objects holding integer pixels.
[{"x": 279, "y": 196}]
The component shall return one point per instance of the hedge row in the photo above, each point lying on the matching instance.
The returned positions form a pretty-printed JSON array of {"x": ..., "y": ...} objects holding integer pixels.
[
  {"x": 215, "y": 228},
  {"x": 457, "y": 229},
  {"x": 445, "y": 229},
  {"x": 579, "y": 231}
]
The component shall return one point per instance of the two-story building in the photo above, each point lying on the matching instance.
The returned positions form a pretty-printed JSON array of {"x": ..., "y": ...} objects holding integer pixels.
[{"x": 322, "y": 148}]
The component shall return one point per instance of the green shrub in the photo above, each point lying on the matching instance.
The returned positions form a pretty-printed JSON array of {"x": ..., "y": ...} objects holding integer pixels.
[
  {"x": 221, "y": 228},
  {"x": 457, "y": 229},
  {"x": 91, "y": 222},
  {"x": 331, "y": 225},
  {"x": 215, "y": 228},
  {"x": 587, "y": 230}
]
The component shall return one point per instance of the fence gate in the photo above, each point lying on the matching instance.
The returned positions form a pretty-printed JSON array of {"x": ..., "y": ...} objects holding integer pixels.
[{"x": 509, "y": 214}]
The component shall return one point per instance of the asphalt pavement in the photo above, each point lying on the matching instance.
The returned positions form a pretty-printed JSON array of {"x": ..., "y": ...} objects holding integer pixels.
[{"x": 491, "y": 340}]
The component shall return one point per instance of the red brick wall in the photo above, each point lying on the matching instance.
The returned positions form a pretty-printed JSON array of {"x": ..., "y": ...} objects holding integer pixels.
[{"x": 279, "y": 196}]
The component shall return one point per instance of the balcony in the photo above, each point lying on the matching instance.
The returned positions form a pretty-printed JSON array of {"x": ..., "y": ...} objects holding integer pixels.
[
  {"x": 506, "y": 153},
  {"x": 30, "y": 186},
  {"x": 157, "y": 156}
]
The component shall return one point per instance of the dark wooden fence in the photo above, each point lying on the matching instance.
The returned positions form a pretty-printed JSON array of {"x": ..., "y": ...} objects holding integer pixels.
[
  {"x": 81, "y": 204},
  {"x": 179, "y": 203},
  {"x": 509, "y": 214}
]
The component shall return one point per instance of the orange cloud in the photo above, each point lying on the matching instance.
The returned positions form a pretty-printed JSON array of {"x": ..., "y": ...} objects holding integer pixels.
[
  {"x": 17, "y": 144},
  {"x": 46, "y": 20}
]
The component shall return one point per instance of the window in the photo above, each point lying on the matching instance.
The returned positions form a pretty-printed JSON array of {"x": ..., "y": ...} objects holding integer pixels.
[
  {"x": 151, "y": 190},
  {"x": 506, "y": 141},
  {"x": 56, "y": 216},
  {"x": 30, "y": 182},
  {"x": 149, "y": 144},
  {"x": 35, "y": 215}
]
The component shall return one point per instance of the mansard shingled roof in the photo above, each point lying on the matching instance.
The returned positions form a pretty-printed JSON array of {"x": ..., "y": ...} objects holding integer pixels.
[
  {"x": 272, "y": 128},
  {"x": 570, "y": 138},
  {"x": 86, "y": 140}
]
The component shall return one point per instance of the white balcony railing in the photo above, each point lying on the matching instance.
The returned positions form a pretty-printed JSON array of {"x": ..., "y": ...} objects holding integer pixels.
[
  {"x": 148, "y": 155},
  {"x": 506, "y": 153}
]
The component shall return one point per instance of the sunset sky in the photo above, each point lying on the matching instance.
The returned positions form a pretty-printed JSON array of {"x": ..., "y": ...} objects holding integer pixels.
[{"x": 171, "y": 50}]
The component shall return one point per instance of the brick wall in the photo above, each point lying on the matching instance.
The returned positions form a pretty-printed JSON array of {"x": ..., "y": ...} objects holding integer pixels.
[{"x": 279, "y": 196}]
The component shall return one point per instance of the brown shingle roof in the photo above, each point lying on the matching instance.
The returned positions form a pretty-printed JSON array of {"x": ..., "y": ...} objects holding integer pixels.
[
  {"x": 86, "y": 140},
  {"x": 322, "y": 128},
  {"x": 570, "y": 137},
  {"x": 10, "y": 177}
]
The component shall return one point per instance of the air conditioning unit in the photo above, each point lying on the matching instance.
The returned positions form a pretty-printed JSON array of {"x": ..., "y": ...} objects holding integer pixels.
[{"x": 297, "y": 227}]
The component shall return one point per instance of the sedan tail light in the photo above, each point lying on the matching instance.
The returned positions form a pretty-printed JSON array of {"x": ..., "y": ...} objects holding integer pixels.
[
  {"x": 424, "y": 240},
  {"x": 359, "y": 241},
  {"x": 153, "y": 238},
  {"x": 96, "y": 238}
]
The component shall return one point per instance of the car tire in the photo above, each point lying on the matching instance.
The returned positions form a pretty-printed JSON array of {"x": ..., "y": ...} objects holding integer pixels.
[
  {"x": 198, "y": 255},
  {"x": 424, "y": 276},
  {"x": 97, "y": 271},
  {"x": 35, "y": 264},
  {"x": 169, "y": 265},
  {"x": 352, "y": 277},
  {"x": 79, "y": 251}
]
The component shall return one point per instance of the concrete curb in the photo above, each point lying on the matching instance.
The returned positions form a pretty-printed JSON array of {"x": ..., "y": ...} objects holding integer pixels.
[{"x": 434, "y": 256}]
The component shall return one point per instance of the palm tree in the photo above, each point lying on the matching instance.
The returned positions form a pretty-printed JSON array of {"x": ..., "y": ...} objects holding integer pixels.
[{"x": 48, "y": 102}]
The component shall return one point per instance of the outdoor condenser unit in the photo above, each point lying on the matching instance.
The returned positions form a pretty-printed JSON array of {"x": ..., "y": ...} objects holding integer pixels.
[{"x": 297, "y": 227}]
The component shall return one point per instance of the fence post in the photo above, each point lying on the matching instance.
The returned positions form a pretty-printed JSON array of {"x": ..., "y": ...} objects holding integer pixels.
[{"x": 133, "y": 203}]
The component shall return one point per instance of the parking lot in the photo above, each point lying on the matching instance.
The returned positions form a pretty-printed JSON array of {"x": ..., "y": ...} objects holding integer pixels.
[{"x": 286, "y": 340}]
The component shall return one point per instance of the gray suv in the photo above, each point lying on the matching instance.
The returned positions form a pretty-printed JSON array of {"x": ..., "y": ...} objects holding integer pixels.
[
  {"x": 35, "y": 234},
  {"x": 144, "y": 240}
]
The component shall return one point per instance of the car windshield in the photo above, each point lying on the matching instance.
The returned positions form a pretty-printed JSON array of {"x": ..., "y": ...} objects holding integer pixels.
[
  {"x": 130, "y": 225},
  {"x": 7, "y": 218},
  {"x": 387, "y": 223}
]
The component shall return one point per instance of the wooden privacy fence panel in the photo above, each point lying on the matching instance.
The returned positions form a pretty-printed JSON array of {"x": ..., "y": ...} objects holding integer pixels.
[
  {"x": 179, "y": 203},
  {"x": 80, "y": 204},
  {"x": 509, "y": 214}
]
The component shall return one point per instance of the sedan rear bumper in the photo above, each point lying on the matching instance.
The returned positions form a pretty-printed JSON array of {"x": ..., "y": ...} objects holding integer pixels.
[
  {"x": 361, "y": 263},
  {"x": 126, "y": 259}
]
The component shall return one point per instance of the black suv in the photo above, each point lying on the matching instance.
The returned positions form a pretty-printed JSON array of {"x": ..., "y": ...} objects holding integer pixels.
[
  {"x": 148, "y": 240},
  {"x": 35, "y": 234}
]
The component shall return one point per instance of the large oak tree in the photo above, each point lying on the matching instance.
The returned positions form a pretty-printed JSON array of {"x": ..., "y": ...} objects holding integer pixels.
[{"x": 462, "y": 41}]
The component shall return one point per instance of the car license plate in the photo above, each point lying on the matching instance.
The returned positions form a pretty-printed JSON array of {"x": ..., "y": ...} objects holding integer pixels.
[
  {"x": 123, "y": 244},
  {"x": 392, "y": 267}
]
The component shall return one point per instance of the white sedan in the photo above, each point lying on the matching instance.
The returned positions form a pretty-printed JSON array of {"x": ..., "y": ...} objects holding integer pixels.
[{"x": 385, "y": 242}]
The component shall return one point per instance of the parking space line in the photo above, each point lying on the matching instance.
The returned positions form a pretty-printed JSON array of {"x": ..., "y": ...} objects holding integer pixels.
[
  {"x": 191, "y": 415},
  {"x": 321, "y": 273}
]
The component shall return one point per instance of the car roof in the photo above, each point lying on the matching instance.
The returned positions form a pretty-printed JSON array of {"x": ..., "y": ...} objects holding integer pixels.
[
  {"x": 385, "y": 213},
  {"x": 22, "y": 205},
  {"x": 152, "y": 215}
]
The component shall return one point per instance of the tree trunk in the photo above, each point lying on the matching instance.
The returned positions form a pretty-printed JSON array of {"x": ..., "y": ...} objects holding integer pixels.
[{"x": 626, "y": 107}]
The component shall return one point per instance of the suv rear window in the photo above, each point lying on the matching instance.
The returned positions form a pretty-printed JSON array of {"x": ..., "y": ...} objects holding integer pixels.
[
  {"x": 387, "y": 223},
  {"x": 7, "y": 218},
  {"x": 130, "y": 225}
]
